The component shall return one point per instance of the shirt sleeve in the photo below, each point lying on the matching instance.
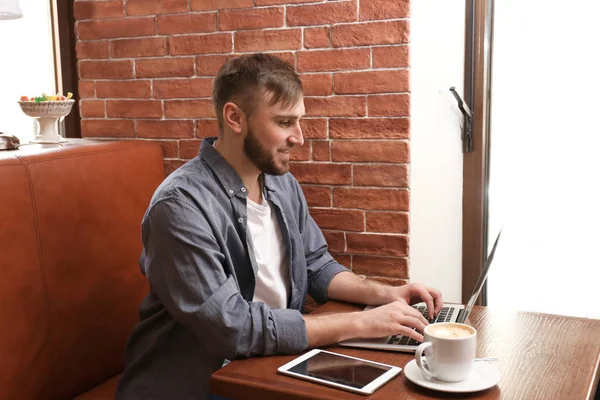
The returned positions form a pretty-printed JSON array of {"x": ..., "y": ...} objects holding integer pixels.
[
  {"x": 321, "y": 266},
  {"x": 184, "y": 266}
]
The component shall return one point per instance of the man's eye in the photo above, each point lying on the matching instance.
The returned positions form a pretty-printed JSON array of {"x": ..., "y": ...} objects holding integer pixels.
[{"x": 285, "y": 122}]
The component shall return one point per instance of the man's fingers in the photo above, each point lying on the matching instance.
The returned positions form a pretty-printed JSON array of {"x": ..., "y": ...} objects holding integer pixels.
[
  {"x": 403, "y": 330},
  {"x": 413, "y": 322},
  {"x": 437, "y": 299},
  {"x": 426, "y": 297},
  {"x": 411, "y": 311}
]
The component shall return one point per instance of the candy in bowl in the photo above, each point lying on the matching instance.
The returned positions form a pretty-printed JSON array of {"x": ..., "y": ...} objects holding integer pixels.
[{"x": 47, "y": 110}]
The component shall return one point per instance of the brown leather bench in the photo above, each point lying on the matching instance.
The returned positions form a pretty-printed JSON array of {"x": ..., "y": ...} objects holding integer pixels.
[{"x": 70, "y": 285}]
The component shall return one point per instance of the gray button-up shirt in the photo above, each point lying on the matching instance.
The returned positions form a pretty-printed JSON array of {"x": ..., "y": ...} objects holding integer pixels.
[{"x": 199, "y": 263}]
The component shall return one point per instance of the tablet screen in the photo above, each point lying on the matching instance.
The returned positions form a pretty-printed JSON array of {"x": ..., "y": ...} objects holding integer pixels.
[{"x": 339, "y": 369}]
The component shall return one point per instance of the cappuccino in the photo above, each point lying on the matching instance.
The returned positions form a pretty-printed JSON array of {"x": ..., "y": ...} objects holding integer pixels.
[{"x": 450, "y": 331}]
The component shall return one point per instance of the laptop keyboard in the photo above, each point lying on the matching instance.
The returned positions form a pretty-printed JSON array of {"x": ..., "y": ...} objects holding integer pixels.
[{"x": 444, "y": 316}]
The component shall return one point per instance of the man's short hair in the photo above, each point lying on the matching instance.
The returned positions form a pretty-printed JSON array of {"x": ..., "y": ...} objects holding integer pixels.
[{"x": 244, "y": 80}]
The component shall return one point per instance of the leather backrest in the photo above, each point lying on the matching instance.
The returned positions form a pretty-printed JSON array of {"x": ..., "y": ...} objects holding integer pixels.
[
  {"x": 25, "y": 358},
  {"x": 88, "y": 202}
]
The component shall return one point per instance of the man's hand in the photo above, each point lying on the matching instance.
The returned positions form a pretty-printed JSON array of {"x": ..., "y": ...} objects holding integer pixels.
[
  {"x": 416, "y": 292},
  {"x": 392, "y": 319}
]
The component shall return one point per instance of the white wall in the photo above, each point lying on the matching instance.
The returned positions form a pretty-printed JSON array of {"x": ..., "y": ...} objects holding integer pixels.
[{"x": 437, "y": 63}]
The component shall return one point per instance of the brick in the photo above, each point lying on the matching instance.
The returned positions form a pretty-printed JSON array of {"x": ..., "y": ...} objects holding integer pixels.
[
  {"x": 371, "y": 82},
  {"x": 259, "y": 18},
  {"x": 92, "y": 108},
  {"x": 333, "y": 60},
  {"x": 324, "y": 174},
  {"x": 317, "y": 37},
  {"x": 369, "y": 128},
  {"x": 172, "y": 165},
  {"x": 170, "y": 148},
  {"x": 186, "y": 23},
  {"x": 383, "y": 9},
  {"x": 370, "y": 33},
  {"x": 380, "y": 175},
  {"x": 121, "y": 69},
  {"x": 393, "y": 105},
  {"x": 107, "y": 128},
  {"x": 343, "y": 259},
  {"x": 201, "y": 5},
  {"x": 98, "y": 9},
  {"x": 317, "y": 84},
  {"x": 124, "y": 89},
  {"x": 165, "y": 129},
  {"x": 336, "y": 241},
  {"x": 391, "y": 57},
  {"x": 153, "y": 7},
  {"x": 277, "y": 2},
  {"x": 147, "y": 47},
  {"x": 321, "y": 14},
  {"x": 370, "y": 151},
  {"x": 385, "y": 245},
  {"x": 301, "y": 153},
  {"x": 286, "y": 56},
  {"x": 201, "y": 44},
  {"x": 317, "y": 196},
  {"x": 189, "y": 109},
  {"x": 276, "y": 39},
  {"x": 320, "y": 150},
  {"x": 91, "y": 49},
  {"x": 314, "y": 128},
  {"x": 164, "y": 67},
  {"x": 337, "y": 106},
  {"x": 207, "y": 128},
  {"x": 183, "y": 88},
  {"x": 87, "y": 89},
  {"x": 189, "y": 149},
  {"x": 209, "y": 65},
  {"x": 115, "y": 28},
  {"x": 387, "y": 222},
  {"x": 371, "y": 199},
  {"x": 392, "y": 267},
  {"x": 346, "y": 220},
  {"x": 134, "y": 109}
]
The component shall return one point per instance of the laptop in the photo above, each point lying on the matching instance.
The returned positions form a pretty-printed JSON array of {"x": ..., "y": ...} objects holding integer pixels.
[{"x": 449, "y": 313}]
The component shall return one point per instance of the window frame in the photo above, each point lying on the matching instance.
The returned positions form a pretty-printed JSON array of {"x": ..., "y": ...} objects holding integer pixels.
[
  {"x": 65, "y": 61},
  {"x": 478, "y": 64}
]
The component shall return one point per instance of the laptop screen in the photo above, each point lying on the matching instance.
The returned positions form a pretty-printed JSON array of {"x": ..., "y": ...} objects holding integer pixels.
[{"x": 482, "y": 277}]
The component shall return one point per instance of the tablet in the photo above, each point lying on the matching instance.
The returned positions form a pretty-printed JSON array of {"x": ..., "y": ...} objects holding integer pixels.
[{"x": 340, "y": 371}]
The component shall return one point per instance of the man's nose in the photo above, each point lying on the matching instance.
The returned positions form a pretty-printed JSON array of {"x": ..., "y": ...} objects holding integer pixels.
[{"x": 297, "y": 139}]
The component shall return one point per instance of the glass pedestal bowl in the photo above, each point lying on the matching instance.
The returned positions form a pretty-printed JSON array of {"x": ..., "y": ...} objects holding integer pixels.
[{"x": 47, "y": 114}]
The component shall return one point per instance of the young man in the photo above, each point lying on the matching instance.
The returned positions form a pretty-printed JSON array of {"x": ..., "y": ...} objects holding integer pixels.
[{"x": 230, "y": 251}]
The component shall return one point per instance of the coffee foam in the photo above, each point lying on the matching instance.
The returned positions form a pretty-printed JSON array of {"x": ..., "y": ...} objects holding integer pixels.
[{"x": 450, "y": 331}]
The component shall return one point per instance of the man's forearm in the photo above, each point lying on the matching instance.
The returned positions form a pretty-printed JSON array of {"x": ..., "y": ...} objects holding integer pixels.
[
  {"x": 349, "y": 287},
  {"x": 326, "y": 329}
]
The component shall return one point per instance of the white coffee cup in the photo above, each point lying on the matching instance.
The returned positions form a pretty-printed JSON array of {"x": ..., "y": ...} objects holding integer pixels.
[{"x": 451, "y": 351}]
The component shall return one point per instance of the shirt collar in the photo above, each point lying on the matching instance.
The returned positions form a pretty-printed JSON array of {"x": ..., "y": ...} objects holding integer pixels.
[{"x": 227, "y": 176}]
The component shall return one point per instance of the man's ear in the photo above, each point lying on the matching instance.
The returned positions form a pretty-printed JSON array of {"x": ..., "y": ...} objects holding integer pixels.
[{"x": 234, "y": 117}]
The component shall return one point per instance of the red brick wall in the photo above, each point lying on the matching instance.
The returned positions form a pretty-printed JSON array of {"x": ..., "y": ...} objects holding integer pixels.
[{"x": 146, "y": 69}]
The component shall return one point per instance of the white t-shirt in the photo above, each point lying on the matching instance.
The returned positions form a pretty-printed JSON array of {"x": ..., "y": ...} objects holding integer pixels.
[{"x": 270, "y": 252}]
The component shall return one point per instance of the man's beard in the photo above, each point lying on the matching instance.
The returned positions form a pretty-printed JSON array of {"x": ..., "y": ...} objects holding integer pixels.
[{"x": 261, "y": 157}]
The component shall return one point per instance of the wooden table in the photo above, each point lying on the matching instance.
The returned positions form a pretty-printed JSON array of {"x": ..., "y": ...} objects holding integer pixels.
[{"x": 540, "y": 356}]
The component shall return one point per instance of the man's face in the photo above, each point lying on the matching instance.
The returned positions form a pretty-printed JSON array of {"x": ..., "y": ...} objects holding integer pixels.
[{"x": 271, "y": 133}]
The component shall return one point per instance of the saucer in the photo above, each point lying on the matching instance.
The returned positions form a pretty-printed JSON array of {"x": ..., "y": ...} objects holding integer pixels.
[{"x": 483, "y": 376}]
